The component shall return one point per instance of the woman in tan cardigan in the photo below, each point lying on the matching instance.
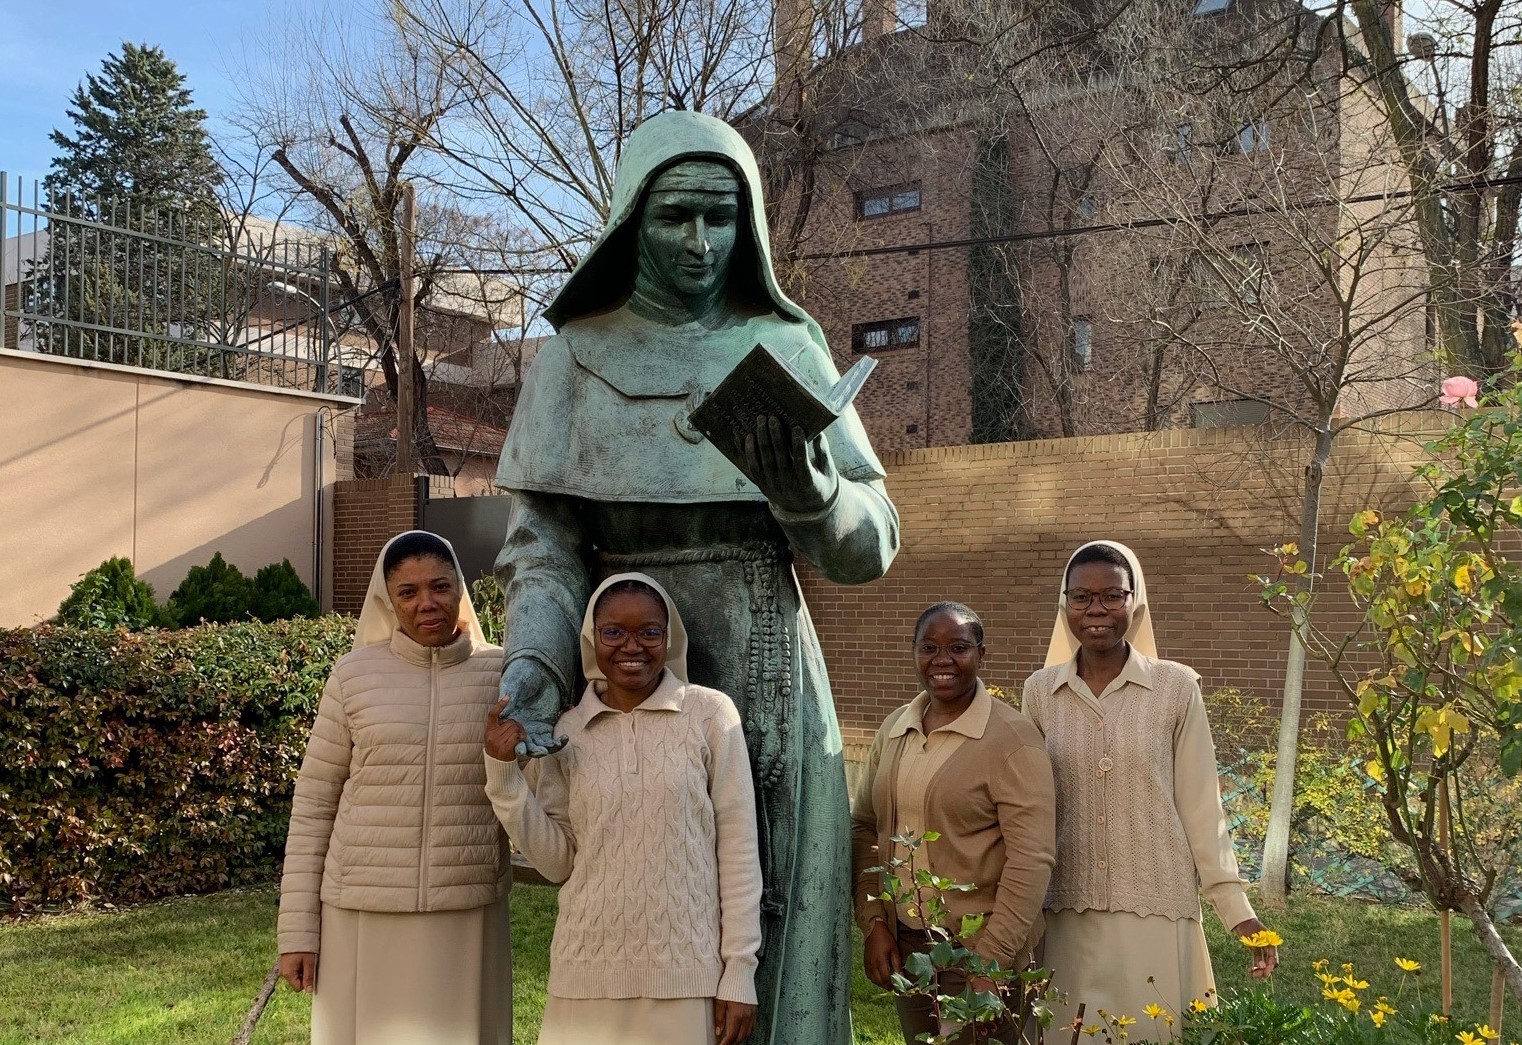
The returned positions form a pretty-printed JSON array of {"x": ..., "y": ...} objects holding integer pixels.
[
  {"x": 648, "y": 818},
  {"x": 1140, "y": 829},
  {"x": 958, "y": 762},
  {"x": 392, "y": 902}
]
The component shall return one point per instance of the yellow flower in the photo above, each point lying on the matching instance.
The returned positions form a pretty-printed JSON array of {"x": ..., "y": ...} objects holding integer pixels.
[
  {"x": 1384, "y": 1006},
  {"x": 1347, "y": 968},
  {"x": 1122, "y": 1021},
  {"x": 1377, "y": 1018},
  {"x": 1357, "y": 985},
  {"x": 1262, "y": 938},
  {"x": 1198, "y": 1006},
  {"x": 1351, "y": 1004},
  {"x": 1484, "y": 1031},
  {"x": 1320, "y": 964},
  {"x": 1465, "y": 1038},
  {"x": 1154, "y": 1010},
  {"x": 1409, "y": 964},
  {"x": 1093, "y": 1030},
  {"x": 1328, "y": 979}
]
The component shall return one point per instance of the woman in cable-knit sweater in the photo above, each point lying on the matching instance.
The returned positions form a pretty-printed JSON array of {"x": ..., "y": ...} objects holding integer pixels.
[
  {"x": 648, "y": 818},
  {"x": 1140, "y": 828}
]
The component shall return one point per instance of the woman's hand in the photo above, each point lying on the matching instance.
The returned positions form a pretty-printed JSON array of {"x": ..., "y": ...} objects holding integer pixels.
[
  {"x": 880, "y": 957},
  {"x": 299, "y": 969},
  {"x": 732, "y": 1021},
  {"x": 796, "y": 474},
  {"x": 1264, "y": 959},
  {"x": 503, "y": 735}
]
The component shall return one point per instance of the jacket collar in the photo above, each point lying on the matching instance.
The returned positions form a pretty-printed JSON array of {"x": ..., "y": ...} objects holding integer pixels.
[
  {"x": 416, "y": 653},
  {"x": 971, "y": 723},
  {"x": 668, "y": 696}
]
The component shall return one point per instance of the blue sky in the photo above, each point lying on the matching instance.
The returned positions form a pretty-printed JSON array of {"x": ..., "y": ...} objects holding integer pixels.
[{"x": 47, "y": 48}]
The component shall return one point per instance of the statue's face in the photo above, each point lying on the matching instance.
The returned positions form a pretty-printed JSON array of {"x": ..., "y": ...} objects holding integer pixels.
[{"x": 687, "y": 236}]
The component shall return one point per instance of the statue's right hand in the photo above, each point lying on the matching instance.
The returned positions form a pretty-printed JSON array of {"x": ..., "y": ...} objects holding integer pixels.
[
  {"x": 534, "y": 702},
  {"x": 299, "y": 969}
]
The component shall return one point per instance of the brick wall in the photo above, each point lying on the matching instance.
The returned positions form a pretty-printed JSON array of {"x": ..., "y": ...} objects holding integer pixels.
[
  {"x": 993, "y": 525},
  {"x": 366, "y": 514}
]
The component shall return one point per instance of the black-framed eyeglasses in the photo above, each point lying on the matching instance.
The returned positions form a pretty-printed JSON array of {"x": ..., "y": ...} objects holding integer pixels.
[
  {"x": 956, "y": 649},
  {"x": 650, "y": 638},
  {"x": 1113, "y": 599}
]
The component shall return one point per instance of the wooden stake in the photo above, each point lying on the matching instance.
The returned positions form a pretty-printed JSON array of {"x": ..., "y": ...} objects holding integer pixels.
[
  {"x": 1497, "y": 998},
  {"x": 406, "y": 394},
  {"x": 1445, "y": 918}
]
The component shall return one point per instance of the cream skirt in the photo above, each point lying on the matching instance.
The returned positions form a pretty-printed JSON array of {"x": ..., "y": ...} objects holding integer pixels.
[
  {"x": 627, "y": 1021},
  {"x": 1103, "y": 959},
  {"x": 443, "y": 978}
]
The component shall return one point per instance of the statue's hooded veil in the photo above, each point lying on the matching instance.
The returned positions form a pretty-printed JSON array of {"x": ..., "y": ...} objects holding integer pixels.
[{"x": 606, "y": 275}]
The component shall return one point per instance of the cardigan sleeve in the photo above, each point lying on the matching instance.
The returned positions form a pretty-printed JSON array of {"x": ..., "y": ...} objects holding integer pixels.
[
  {"x": 537, "y": 819},
  {"x": 867, "y": 885},
  {"x": 319, "y": 786},
  {"x": 1197, "y": 794},
  {"x": 1026, "y": 799},
  {"x": 732, "y": 793}
]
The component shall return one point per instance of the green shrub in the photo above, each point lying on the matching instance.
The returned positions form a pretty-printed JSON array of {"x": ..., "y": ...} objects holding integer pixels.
[
  {"x": 152, "y": 764},
  {"x": 110, "y": 596},
  {"x": 280, "y": 594},
  {"x": 217, "y": 593},
  {"x": 486, "y": 597}
]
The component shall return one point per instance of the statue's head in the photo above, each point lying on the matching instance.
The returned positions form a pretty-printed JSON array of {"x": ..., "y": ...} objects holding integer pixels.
[
  {"x": 685, "y": 181},
  {"x": 688, "y": 226}
]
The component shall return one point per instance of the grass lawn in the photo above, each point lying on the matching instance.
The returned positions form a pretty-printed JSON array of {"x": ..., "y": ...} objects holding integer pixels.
[{"x": 187, "y": 970}]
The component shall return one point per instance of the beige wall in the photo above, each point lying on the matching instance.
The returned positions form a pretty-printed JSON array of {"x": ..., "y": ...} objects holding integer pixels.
[{"x": 97, "y": 461}]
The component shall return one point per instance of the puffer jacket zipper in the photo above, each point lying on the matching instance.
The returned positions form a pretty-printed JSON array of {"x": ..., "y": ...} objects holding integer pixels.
[{"x": 433, "y": 711}]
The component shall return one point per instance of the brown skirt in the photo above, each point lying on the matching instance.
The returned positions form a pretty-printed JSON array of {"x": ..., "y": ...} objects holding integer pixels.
[{"x": 442, "y": 978}]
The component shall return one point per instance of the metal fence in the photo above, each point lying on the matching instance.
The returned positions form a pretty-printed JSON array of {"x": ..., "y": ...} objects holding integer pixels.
[{"x": 182, "y": 289}]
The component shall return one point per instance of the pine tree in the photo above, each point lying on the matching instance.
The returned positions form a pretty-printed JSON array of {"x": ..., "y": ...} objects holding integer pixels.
[{"x": 138, "y": 160}]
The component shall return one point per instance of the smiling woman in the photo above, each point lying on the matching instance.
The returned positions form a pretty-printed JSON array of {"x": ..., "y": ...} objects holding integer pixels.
[
  {"x": 973, "y": 769},
  {"x": 391, "y": 903}
]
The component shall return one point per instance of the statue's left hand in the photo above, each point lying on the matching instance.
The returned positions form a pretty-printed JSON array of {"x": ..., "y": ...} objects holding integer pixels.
[{"x": 797, "y": 475}]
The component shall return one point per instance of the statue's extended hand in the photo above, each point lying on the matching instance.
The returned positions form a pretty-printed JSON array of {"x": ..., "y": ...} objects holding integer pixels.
[
  {"x": 796, "y": 474},
  {"x": 534, "y": 703}
]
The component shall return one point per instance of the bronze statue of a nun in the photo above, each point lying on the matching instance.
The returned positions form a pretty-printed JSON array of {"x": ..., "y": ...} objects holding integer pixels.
[{"x": 608, "y": 475}]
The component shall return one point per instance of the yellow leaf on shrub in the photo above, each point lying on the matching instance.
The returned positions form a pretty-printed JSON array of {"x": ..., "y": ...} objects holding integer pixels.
[{"x": 1375, "y": 770}]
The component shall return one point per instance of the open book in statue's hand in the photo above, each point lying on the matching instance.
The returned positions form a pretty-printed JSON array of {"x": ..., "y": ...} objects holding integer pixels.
[{"x": 766, "y": 384}]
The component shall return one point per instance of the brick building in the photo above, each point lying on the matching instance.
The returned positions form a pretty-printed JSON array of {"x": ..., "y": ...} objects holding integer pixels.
[{"x": 1026, "y": 242}]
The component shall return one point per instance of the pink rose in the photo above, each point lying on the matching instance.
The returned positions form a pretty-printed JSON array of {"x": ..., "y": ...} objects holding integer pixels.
[{"x": 1458, "y": 390}]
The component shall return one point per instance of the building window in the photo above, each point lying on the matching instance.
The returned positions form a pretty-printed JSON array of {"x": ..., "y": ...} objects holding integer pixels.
[
  {"x": 890, "y": 334},
  {"x": 1183, "y": 139},
  {"x": 893, "y": 199},
  {"x": 1236, "y": 278},
  {"x": 1082, "y": 342},
  {"x": 1211, "y": 7},
  {"x": 1088, "y": 208},
  {"x": 911, "y": 429},
  {"x": 1251, "y": 137},
  {"x": 1229, "y": 413}
]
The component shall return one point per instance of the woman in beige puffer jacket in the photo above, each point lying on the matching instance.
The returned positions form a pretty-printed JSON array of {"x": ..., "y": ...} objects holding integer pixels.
[{"x": 393, "y": 901}]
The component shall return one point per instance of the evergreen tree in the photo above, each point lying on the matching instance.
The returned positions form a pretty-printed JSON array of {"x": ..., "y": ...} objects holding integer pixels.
[{"x": 138, "y": 160}]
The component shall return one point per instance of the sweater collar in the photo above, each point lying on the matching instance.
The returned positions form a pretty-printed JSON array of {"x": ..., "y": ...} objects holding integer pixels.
[
  {"x": 1139, "y": 669},
  {"x": 457, "y": 651},
  {"x": 668, "y": 696},
  {"x": 971, "y": 723}
]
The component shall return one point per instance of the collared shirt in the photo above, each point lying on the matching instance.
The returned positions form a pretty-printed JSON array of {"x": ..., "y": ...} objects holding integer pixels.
[
  {"x": 666, "y": 698},
  {"x": 924, "y": 755}
]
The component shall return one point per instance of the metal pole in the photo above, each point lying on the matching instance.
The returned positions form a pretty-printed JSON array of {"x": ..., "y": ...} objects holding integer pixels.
[
  {"x": 406, "y": 395},
  {"x": 5, "y": 180}
]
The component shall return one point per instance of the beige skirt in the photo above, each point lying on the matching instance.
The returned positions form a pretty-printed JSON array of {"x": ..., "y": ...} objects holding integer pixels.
[
  {"x": 1102, "y": 959},
  {"x": 442, "y": 978},
  {"x": 627, "y": 1021}
]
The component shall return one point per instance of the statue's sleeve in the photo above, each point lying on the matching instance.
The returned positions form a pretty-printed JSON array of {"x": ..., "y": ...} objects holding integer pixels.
[
  {"x": 853, "y": 538},
  {"x": 543, "y": 574}
]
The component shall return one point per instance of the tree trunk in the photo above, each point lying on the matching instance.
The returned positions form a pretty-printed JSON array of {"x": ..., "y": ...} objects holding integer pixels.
[
  {"x": 1490, "y": 939},
  {"x": 1275, "y": 879}
]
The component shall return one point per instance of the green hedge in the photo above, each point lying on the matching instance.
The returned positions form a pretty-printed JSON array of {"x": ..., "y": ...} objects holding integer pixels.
[{"x": 139, "y": 765}]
